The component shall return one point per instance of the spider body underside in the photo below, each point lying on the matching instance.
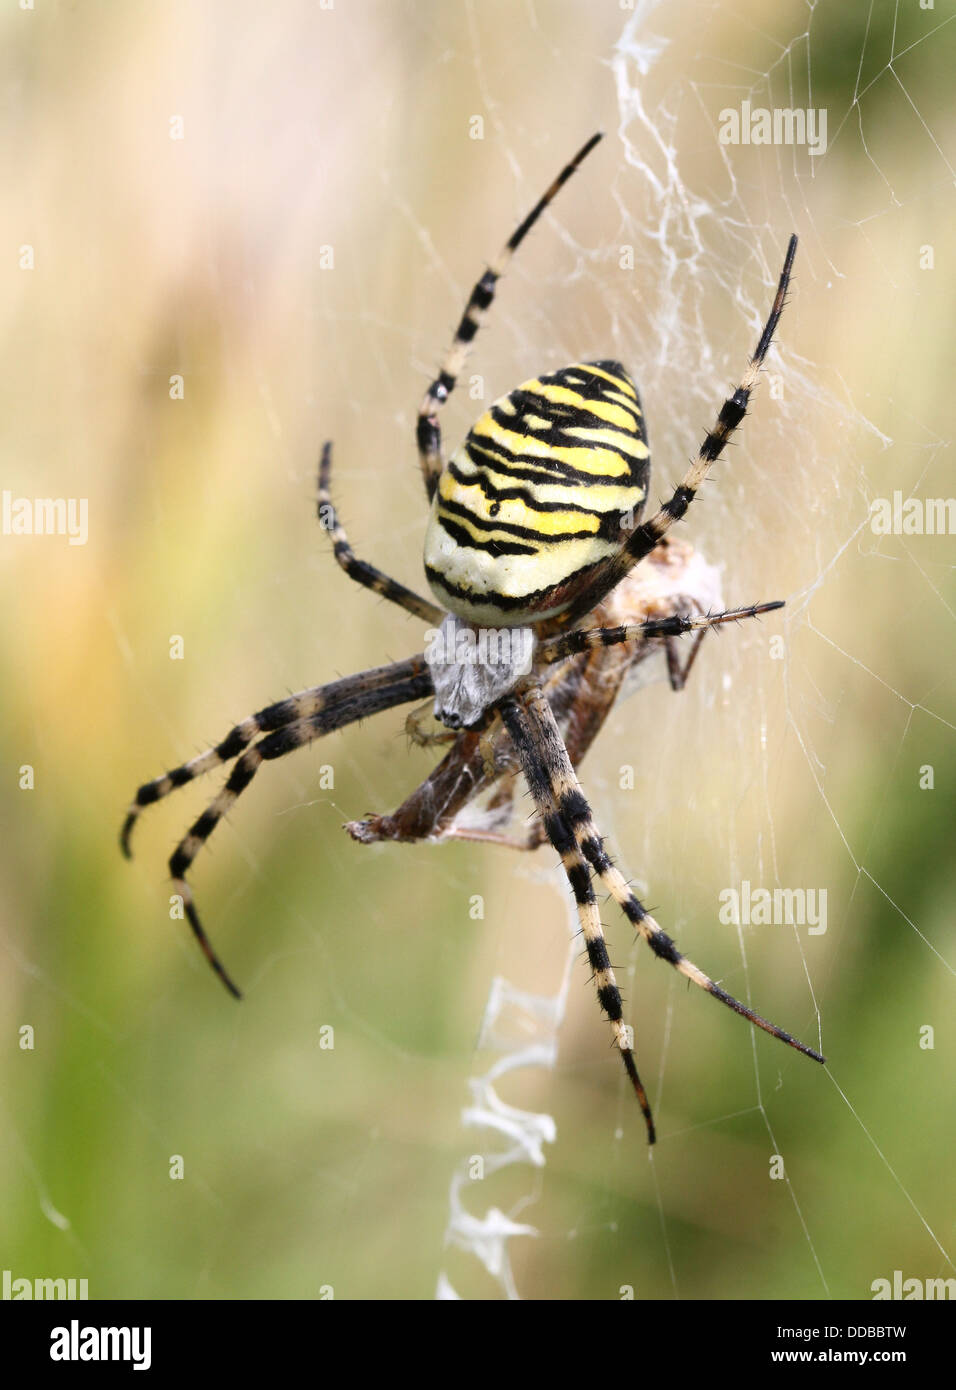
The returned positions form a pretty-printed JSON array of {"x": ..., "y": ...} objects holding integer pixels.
[
  {"x": 470, "y": 794},
  {"x": 538, "y": 553}
]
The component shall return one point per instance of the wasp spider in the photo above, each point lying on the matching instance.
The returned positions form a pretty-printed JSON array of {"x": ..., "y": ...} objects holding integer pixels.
[{"x": 531, "y": 547}]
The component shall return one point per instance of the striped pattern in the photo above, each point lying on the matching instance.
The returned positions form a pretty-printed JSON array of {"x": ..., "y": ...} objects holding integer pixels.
[
  {"x": 329, "y": 702},
  {"x": 580, "y": 691},
  {"x": 589, "y": 639},
  {"x": 328, "y": 715},
  {"x": 532, "y": 737},
  {"x": 479, "y": 302},
  {"x": 546, "y": 486},
  {"x": 360, "y": 570},
  {"x": 571, "y": 829},
  {"x": 289, "y": 724},
  {"x": 645, "y": 537}
]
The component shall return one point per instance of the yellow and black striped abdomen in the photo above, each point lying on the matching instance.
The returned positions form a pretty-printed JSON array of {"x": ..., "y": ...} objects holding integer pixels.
[{"x": 539, "y": 493}]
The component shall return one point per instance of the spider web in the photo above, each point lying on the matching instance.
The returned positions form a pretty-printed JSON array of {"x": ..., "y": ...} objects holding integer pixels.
[
  {"x": 469, "y": 1132},
  {"x": 706, "y": 230}
]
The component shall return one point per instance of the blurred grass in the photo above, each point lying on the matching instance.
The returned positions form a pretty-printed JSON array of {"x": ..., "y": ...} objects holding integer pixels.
[{"x": 306, "y": 1167}]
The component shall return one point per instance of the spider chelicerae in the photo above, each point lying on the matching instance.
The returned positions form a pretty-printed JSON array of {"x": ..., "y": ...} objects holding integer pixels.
[{"x": 532, "y": 542}]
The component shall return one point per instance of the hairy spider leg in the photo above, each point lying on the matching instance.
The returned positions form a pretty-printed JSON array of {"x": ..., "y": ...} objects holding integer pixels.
[
  {"x": 571, "y": 829},
  {"x": 428, "y": 431}
]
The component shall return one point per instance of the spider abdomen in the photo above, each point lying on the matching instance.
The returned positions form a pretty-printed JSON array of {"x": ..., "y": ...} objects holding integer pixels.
[{"x": 540, "y": 492}]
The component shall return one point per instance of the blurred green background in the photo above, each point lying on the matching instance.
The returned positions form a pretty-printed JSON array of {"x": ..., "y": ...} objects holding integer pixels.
[{"x": 349, "y": 126}]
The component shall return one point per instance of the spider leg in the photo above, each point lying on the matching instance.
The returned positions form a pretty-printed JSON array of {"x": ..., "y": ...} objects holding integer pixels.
[
  {"x": 424, "y": 738},
  {"x": 479, "y": 301},
  {"x": 359, "y": 570},
  {"x": 658, "y": 940},
  {"x": 432, "y": 806},
  {"x": 492, "y": 743},
  {"x": 478, "y": 761},
  {"x": 645, "y": 537},
  {"x": 324, "y": 699},
  {"x": 571, "y": 829},
  {"x": 323, "y": 720},
  {"x": 534, "y": 838},
  {"x": 586, "y": 639},
  {"x": 677, "y": 671},
  {"x": 544, "y": 759}
]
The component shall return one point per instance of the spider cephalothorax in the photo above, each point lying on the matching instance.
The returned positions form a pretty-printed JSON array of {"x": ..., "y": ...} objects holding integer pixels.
[{"x": 535, "y": 527}]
